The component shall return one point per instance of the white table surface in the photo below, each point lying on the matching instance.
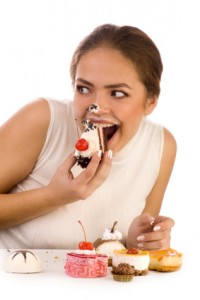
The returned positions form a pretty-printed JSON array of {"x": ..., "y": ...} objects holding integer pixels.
[{"x": 54, "y": 283}]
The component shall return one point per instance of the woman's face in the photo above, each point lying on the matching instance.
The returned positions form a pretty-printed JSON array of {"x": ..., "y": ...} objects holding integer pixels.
[{"x": 105, "y": 77}]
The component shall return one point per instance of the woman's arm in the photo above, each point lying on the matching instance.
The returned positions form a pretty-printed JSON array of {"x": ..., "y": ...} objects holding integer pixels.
[
  {"x": 155, "y": 198},
  {"x": 149, "y": 230},
  {"x": 21, "y": 141}
]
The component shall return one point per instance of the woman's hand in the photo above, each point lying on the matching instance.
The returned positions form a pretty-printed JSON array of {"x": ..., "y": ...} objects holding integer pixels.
[
  {"x": 64, "y": 188},
  {"x": 150, "y": 233}
]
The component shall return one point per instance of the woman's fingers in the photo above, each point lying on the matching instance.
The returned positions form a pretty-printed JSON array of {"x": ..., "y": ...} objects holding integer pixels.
[
  {"x": 96, "y": 172},
  {"x": 162, "y": 223},
  {"x": 154, "y": 240}
]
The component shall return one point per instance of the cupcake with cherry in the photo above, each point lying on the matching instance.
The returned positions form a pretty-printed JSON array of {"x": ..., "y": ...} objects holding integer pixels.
[
  {"x": 84, "y": 262},
  {"x": 138, "y": 259}
]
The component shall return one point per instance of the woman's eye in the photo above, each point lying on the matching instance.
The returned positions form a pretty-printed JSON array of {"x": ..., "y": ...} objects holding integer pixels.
[
  {"x": 118, "y": 94},
  {"x": 82, "y": 89}
]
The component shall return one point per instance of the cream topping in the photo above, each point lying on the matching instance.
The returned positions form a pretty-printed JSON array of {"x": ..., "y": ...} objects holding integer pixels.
[
  {"x": 139, "y": 262},
  {"x": 108, "y": 235}
]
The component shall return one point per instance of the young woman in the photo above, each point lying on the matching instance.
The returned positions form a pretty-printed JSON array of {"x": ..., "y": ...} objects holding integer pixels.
[{"x": 43, "y": 191}]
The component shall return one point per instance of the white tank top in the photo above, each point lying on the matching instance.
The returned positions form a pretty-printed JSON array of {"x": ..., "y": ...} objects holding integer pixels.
[{"x": 120, "y": 198}]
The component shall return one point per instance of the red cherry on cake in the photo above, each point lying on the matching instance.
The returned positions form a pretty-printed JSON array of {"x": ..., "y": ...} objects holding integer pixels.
[
  {"x": 82, "y": 145},
  {"x": 84, "y": 245},
  {"x": 132, "y": 251}
]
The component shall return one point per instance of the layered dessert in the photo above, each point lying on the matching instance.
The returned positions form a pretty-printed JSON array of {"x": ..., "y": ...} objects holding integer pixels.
[
  {"x": 165, "y": 260},
  {"x": 93, "y": 138},
  {"x": 138, "y": 259},
  {"x": 23, "y": 261},
  {"x": 109, "y": 241}
]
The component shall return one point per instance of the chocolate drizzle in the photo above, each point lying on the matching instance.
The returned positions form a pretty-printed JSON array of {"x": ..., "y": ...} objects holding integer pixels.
[{"x": 24, "y": 253}]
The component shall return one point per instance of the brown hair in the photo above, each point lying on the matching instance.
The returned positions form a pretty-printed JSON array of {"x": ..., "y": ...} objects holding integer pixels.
[{"x": 133, "y": 44}]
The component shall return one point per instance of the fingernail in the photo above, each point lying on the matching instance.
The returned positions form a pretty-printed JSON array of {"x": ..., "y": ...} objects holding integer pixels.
[
  {"x": 99, "y": 153},
  {"x": 151, "y": 219},
  {"x": 140, "y": 245},
  {"x": 140, "y": 238},
  {"x": 110, "y": 153},
  {"x": 156, "y": 228}
]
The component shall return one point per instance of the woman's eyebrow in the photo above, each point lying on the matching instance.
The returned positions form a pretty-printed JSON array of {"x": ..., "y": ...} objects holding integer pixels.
[
  {"x": 108, "y": 86},
  {"x": 118, "y": 85},
  {"x": 84, "y": 81}
]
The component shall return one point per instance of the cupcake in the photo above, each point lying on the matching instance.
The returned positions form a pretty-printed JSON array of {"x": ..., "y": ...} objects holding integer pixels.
[
  {"x": 123, "y": 272},
  {"x": 108, "y": 242}
]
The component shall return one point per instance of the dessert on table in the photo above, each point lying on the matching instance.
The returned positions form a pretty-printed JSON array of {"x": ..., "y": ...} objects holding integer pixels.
[
  {"x": 23, "y": 261},
  {"x": 84, "y": 262},
  {"x": 165, "y": 260},
  {"x": 136, "y": 258},
  {"x": 109, "y": 241},
  {"x": 123, "y": 272}
]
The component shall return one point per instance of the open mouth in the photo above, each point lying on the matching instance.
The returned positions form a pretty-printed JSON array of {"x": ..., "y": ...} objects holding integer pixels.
[{"x": 108, "y": 129}]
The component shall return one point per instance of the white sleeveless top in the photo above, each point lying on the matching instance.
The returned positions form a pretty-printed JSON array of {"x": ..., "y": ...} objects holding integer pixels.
[{"x": 120, "y": 198}]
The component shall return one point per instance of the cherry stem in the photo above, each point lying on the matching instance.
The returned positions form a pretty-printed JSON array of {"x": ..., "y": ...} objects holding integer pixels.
[
  {"x": 82, "y": 228},
  {"x": 113, "y": 227},
  {"x": 77, "y": 128}
]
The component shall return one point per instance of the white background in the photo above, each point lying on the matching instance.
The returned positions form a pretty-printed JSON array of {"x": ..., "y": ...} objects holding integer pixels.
[{"x": 37, "y": 40}]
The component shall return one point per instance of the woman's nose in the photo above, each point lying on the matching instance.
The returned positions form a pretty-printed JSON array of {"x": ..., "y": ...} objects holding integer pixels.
[{"x": 103, "y": 105}]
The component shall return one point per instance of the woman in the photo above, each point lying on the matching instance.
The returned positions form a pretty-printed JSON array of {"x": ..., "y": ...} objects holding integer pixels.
[{"x": 44, "y": 193}]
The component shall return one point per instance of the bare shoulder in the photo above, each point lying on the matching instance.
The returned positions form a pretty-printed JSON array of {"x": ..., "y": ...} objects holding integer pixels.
[
  {"x": 170, "y": 146},
  {"x": 21, "y": 140},
  {"x": 155, "y": 198}
]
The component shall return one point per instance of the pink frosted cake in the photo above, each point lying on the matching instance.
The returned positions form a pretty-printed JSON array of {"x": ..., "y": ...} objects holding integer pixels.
[{"x": 86, "y": 266}]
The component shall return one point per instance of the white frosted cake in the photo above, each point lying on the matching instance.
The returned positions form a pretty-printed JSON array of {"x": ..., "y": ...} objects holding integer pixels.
[{"x": 23, "y": 261}]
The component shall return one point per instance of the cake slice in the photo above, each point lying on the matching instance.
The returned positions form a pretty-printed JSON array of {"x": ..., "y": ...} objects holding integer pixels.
[{"x": 93, "y": 138}]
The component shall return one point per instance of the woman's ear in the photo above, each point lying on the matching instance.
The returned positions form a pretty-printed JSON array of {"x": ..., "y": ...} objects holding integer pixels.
[{"x": 150, "y": 104}]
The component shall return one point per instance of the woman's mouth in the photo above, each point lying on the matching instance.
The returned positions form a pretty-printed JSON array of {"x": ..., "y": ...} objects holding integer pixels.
[{"x": 109, "y": 130}]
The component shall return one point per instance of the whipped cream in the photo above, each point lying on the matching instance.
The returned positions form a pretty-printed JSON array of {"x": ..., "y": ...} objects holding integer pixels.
[
  {"x": 94, "y": 108},
  {"x": 139, "y": 262},
  {"x": 87, "y": 252},
  {"x": 108, "y": 235},
  {"x": 93, "y": 143}
]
